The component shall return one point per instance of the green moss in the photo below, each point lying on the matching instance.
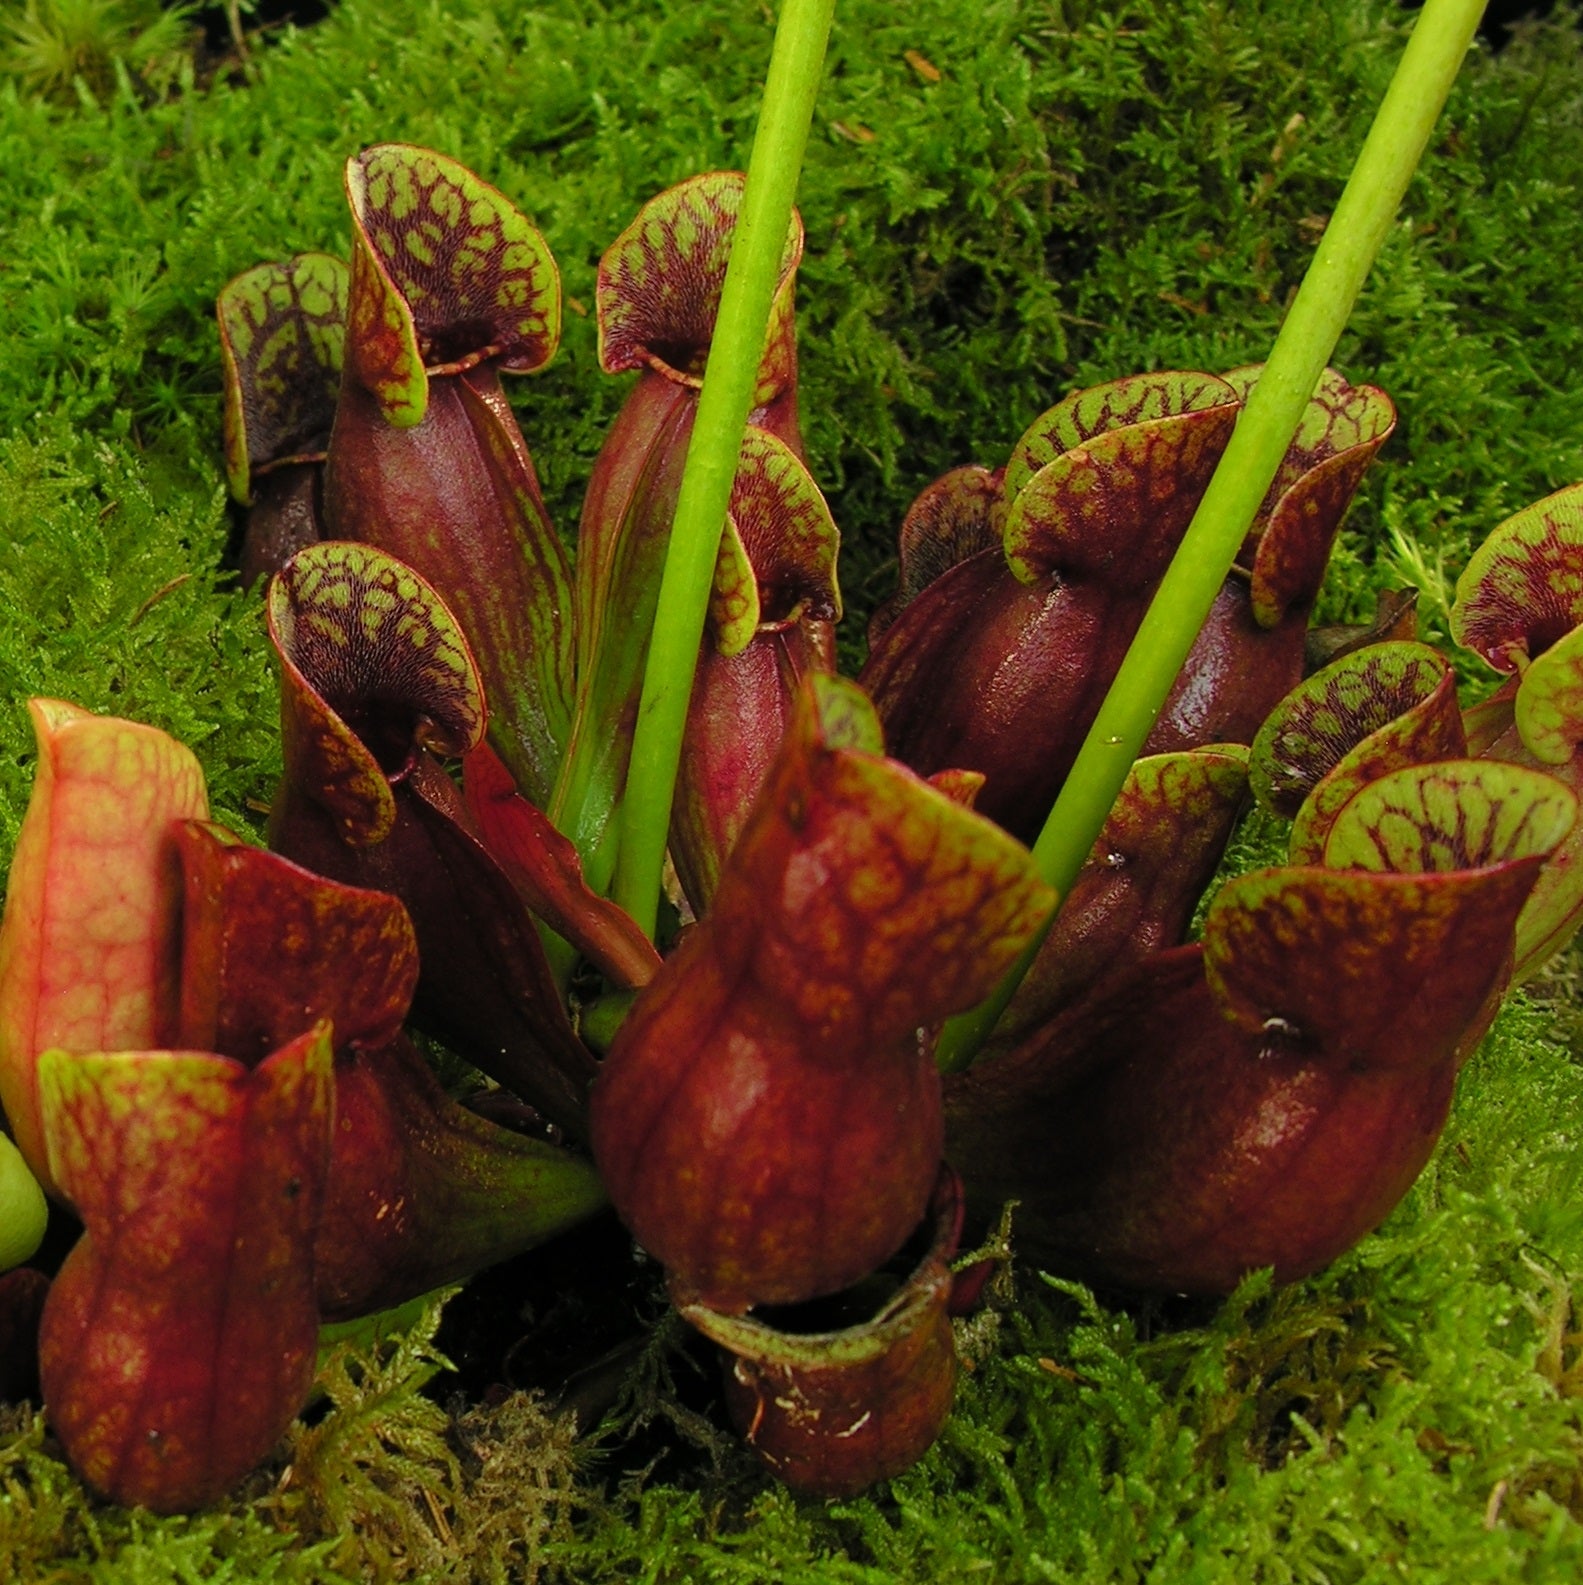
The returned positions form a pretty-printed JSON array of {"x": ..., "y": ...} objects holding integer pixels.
[
  {"x": 50, "y": 1530},
  {"x": 109, "y": 575},
  {"x": 411, "y": 1491},
  {"x": 66, "y": 50},
  {"x": 1081, "y": 194},
  {"x": 383, "y": 1485},
  {"x": 1085, "y": 191},
  {"x": 1411, "y": 1413}
]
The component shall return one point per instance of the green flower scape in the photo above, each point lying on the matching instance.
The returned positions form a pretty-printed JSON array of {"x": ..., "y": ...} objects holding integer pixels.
[{"x": 997, "y": 214}]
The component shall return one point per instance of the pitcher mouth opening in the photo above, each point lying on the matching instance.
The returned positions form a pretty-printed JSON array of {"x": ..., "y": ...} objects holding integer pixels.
[{"x": 678, "y": 361}]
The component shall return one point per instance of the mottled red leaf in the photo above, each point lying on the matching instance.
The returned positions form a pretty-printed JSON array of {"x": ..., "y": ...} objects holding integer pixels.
[
  {"x": 657, "y": 294},
  {"x": 1136, "y": 402},
  {"x": 88, "y": 956},
  {"x": 374, "y": 670},
  {"x": 281, "y": 332},
  {"x": 767, "y": 1119},
  {"x": 1265, "y": 1098},
  {"x": 1405, "y": 691},
  {"x": 950, "y": 520},
  {"x": 778, "y": 554},
  {"x": 1136, "y": 894},
  {"x": 1338, "y": 436},
  {"x": 421, "y": 1191},
  {"x": 831, "y": 1412},
  {"x": 1548, "y": 709},
  {"x": 1116, "y": 502},
  {"x": 659, "y": 288},
  {"x": 178, "y": 1340},
  {"x": 1555, "y": 906},
  {"x": 270, "y": 949},
  {"x": 985, "y": 672},
  {"x": 544, "y": 867},
  {"x": 450, "y": 286},
  {"x": 1519, "y": 604},
  {"x": 374, "y": 673},
  {"x": 445, "y": 271},
  {"x": 1450, "y": 815}
]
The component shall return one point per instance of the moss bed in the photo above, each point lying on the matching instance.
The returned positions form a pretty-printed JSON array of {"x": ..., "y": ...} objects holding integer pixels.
[{"x": 1002, "y": 204}]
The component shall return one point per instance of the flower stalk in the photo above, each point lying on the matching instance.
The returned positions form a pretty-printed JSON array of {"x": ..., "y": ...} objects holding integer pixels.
[
  {"x": 1318, "y": 314},
  {"x": 23, "y": 1211},
  {"x": 796, "y": 64}
]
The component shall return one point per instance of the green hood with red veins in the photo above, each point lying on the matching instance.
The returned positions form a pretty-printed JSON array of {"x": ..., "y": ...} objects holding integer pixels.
[
  {"x": 999, "y": 663},
  {"x": 282, "y": 330},
  {"x": 1021, "y": 589},
  {"x": 1371, "y": 712},
  {"x": 451, "y": 287},
  {"x": 378, "y": 681},
  {"x": 657, "y": 294},
  {"x": 1519, "y": 605}
]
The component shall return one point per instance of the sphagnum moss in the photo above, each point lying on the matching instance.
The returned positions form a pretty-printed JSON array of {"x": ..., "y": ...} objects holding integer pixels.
[
  {"x": 1047, "y": 198},
  {"x": 384, "y": 1485}
]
